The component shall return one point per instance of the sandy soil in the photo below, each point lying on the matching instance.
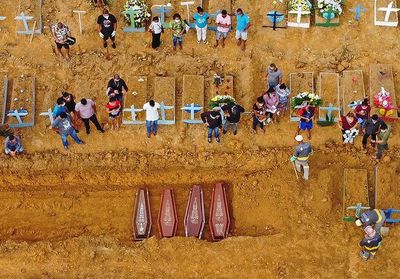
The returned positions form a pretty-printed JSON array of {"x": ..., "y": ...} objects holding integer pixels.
[{"x": 69, "y": 214}]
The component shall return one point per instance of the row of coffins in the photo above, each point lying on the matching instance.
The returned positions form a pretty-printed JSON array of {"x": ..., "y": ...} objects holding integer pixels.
[{"x": 194, "y": 219}]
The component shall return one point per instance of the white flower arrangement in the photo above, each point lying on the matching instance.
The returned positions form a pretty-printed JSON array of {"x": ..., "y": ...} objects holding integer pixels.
[
  {"x": 306, "y": 97},
  {"x": 324, "y": 6},
  {"x": 304, "y": 4},
  {"x": 141, "y": 7}
]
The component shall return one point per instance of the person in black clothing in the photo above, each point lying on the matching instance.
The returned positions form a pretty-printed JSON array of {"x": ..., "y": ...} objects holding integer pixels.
[
  {"x": 232, "y": 117},
  {"x": 117, "y": 87},
  {"x": 213, "y": 121},
  {"x": 372, "y": 128},
  {"x": 370, "y": 243},
  {"x": 259, "y": 114},
  {"x": 107, "y": 26},
  {"x": 69, "y": 101}
]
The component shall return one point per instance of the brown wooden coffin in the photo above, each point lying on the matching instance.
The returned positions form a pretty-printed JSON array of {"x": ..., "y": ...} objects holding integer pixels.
[
  {"x": 219, "y": 213},
  {"x": 142, "y": 215},
  {"x": 167, "y": 218},
  {"x": 194, "y": 216}
]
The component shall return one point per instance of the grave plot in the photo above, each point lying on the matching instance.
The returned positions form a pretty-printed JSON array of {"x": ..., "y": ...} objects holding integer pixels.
[
  {"x": 29, "y": 17},
  {"x": 329, "y": 91},
  {"x": 3, "y": 97},
  {"x": 298, "y": 83},
  {"x": 193, "y": 98},
  {"x": 299, "y": 17},
  {"x": 353, "y": 91},
  {"x": 386, "y": 13},
  {"x": 382, "y": 92},
  {"x": 219, "y": 86},
  {"x": 133, "y": 113},
  {"x": 387, "y": 191},
  {"x": 355, "y": 192},
  {"x": 273, "y": 15},
  {"x": 164, "y": 93},
  {"x": 21, "y": 111}
]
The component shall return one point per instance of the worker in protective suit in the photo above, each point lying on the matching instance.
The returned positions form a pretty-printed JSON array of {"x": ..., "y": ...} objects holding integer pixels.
[
  {"x": 375, "y": 218},
  {"x": 370, "y": 243},
  {"x": 301, "y": 155}
]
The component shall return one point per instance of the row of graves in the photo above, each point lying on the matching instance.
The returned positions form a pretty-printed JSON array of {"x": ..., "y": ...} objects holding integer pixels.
[{"x": 195, "y": 217}]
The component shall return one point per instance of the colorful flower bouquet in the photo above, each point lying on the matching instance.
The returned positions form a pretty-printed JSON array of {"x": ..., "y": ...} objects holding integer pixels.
[
  {"x": 142, "y": 14},
  {"x": 327, "y": 8},
  {"x": 220, "y": 100},
  {"x": 384, "y": 101},
  {"x": 306, "y": 98},
  {"x": 304, "y": 4}
]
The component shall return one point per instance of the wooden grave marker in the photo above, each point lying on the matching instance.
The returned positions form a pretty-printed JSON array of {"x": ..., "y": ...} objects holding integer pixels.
[
  {"x": 220, "y": 220},
  {"x": 80, "y": 13},
  {"x": 134, "y": 101},
  {"x": 195, "y": 216},
  {"x": 193, "y": 98},
  {"x": 386, "y": 13},
  {"x": 141, "y": 221},
  {"x": 353, "y": 90},
  {"x": 299, "y": 18},
  {"x": 329, "y": 92},
  {"x": 164, "y": 94},
  {"x": 298, "y": 83},
  {"x": 167, "y": 218},
  {"x": 381, "y": 75},
  {"x": 3, "y": 98}
]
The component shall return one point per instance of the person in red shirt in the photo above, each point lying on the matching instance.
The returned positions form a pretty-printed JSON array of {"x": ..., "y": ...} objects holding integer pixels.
[
  {"x": 347, "y": 123},
  {"x": 362, "y": 113},
  {"x": 114, "y": 110}
]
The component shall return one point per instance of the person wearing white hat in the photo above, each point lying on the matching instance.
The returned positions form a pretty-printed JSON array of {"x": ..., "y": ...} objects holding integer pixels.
[
  {"x": 301, "y": 155},
  {"x": 370, "y": 243}
]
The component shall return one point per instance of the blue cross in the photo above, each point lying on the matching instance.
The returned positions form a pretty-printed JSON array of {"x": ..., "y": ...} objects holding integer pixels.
[
  {"x": 389, "y": 213},
  {"x": 131, "y": 14},
  {"x": 214, "y": 16},
  {"x": 163, "y": 120},
  {"x": 162, "y": 10},
  {"x": 133, "y": 112},
  {"x": 275, "y": 18},
  {"x": 192, "y": 109},
  {"x": 329, "y": 109},
  {"x": 358, "y": 11}
]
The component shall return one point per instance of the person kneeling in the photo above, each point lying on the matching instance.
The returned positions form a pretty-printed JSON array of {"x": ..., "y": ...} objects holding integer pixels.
[{"x": 13, "y": 146}]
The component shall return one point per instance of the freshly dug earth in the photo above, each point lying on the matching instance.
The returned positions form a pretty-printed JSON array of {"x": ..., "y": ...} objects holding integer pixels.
[{"x": 69, "y": 214}]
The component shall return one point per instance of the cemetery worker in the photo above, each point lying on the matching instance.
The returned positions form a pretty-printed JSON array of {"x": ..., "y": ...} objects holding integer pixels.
[
  {"x": 232, "y": 117},
  {"x": 66, "y": 128},
  {"x": 242, "y": 26},
  {"x": 152, "y": 117},
  {"x": 375, "y": 217},
  {"x": 13, "y": 146},
  {"x": 372, "y": 128},
  {"x": 60, "y": 33},
  {"x": 114, "y": 111},
  {"x": 119, "y": 85},
  {"x": 283, "y": 95},
  {"x": 382, "y": 139},
  {"x": 201, "y": 21},
  {"x": 301, "y": 155},
  {"x": 178, "y": 29},
  {"x": 306, "y": 119},
  {"x": 86, "y": 110},
  {"x": 370, "y": 243},
  {"x": 213, "y": 120},
  {"x": 59, "y": 107},
  {"x": 362, "y": 113},
  {"x": 347, "y": 124},
  {"x": 224, "y": 23},
  {"x": 107, "y": 27},
  {"x": 156, "y": 29},
  {"x": 273, "y": 76},
  {"x": 271, "y": 104},
  {"x": 5, "y": 131},
  {"x": 69, "y": 101},
  {"x": 259, "y": 114}
]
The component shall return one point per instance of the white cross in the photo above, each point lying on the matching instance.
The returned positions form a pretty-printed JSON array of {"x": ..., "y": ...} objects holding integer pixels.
[
  {"x": 24, "y": 20},
  {"x": 80, "y": 13},
  {"x": 299, "y": 13},
  {"x": 187, "y": 4},
  {"x": 388, "y": 10},
  {"x": 133, "y": 112},
  {"x": 48, "y": 113}
]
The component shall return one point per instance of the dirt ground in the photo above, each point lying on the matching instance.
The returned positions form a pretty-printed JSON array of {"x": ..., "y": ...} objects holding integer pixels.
[{"x": 69, "y": 214}]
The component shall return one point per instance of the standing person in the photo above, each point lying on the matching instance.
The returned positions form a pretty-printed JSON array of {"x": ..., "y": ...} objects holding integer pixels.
[
  {"x": 59, "y": 107},
  {"x": 60, "y": 33},
  {"x": 273, "y": 76},
  {"x": 347, "y": 124},
  {"x": 259, "y": 114},
  {"x": 375, "y": 217},
  {"x": 66, "y": 128},
  {"x": 86, "y": 110},
  {"x": 362, "y": 113},
  {"x": 178, "y": 28},
  {"x": 370, "y": 243},
  {"x": 152, "y": 117},
  {"x": 213, "y": 121},
  {"x": 301, "y": 155},
  {"x": 372, "y": 127},
  {"x": 114, "y": 111},
  {"x": 156, "y": 29},
  {"x": 271, "y": 104},
  {"x": 69, "y": 101},
  {"x": 201, "y": 19},
  {"x": 118, "y": 87},
  {"x": 306, "y": 120},
  {"x": 283, "y": 94},
  {"x": 382, "y": 140},
  {"x": 242, "y": 26},
  {"x": 13, "y": 146},
  {"x": 232, "y": 117},
  {"x": 224, "y": 23},
  {"x": 107, "y": 27}
]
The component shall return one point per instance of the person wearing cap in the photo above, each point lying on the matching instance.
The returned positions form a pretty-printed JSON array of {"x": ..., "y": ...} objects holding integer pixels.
[
  {"x": 301, "y": 155},
  {"x": 374, "y": 218},
  {"x": 382, "y": 140},
  {"x": 117, "y": 87},
  {"x": 370, "y": 243},
  {"x": 107, "y": 27},
  {"x": 213, "y": 121},
  {"x": 372, "y": 128},
  {"x": 232, "y": 117},
  {"x": 60, "y": 33},
  {"x": 13, "y": 146}
]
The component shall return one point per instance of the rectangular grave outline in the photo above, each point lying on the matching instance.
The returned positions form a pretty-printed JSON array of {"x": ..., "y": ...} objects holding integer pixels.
[
  {"x": 329, "y": 107},
  {"x": 291, "y": 117},
  {"x": 5, "y": 92},
  {"x": 39, "y": 23},
  {"x": 385, "y": 23},
  {"x": 192, "y": 119},
  {"x": 345, "y": 104},
  {"x": 134, "y": 109},
  {"x": 163, "y": 120}
]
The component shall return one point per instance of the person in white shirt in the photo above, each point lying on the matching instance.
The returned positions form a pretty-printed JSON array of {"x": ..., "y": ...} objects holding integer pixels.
[
  {"x": 223, "y": 26},
  {"x": 152, "y": 117},
  {"x": 86, "y": 110},
  {"x": 155, "y": 29}
]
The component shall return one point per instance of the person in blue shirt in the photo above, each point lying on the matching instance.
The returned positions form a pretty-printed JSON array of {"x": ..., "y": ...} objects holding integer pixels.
[
  {"x": 201, "y": 19},
  {"x": 59, "y": 108},
  {"x": 242, "y": 25}
]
